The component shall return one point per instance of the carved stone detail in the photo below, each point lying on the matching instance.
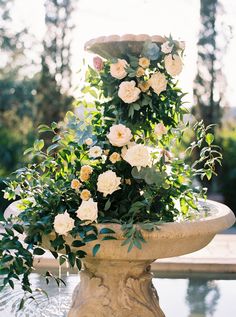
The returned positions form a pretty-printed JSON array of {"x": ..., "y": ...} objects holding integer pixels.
[{"x": 111, "y": 288}]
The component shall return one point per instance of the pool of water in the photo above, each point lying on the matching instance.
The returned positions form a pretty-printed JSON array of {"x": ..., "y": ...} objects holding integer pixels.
[{"x": 180, "y": 296}]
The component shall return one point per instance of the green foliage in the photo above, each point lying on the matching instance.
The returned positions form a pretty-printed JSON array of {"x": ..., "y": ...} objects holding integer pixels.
[
  {"x": 75, "y": 178},
  {"x": 226, "y": 181}
]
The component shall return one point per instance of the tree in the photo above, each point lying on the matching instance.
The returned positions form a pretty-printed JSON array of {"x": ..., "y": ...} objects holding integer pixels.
[
  {"x": 210, "y": 83},
  {"x": 55, "y": 78}
]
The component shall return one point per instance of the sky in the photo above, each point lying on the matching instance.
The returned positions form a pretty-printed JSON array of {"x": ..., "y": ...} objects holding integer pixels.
[{"x": 105, "y": 17}]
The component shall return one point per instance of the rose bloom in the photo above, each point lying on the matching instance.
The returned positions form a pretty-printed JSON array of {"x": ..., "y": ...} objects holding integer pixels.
[
  {"x": 85, "y": 194},
  {"x": 75, "y": 184},
  {"x": 160, "y": 129},
  {"x": 108, "y": 183},
  {"x": 88, "y": 210},
  {"x": 144, "y": 86},
  {"x": 98, "y": 63},
  {"x": 138, "y": 155},
  {"x": 128, "y": 92},
  {"x": 166, "y": 47},
  {"x": 63, "y": 223},
  {"x": 88, "y": 141},
  {"x": 140, "y": 72},
  {"x": 118, "y": 70},
  {"x": 119, "y": 135},
  {"x": 158, "y": 82},
  {"x": 85, "y": 173},
  {"x": 144, "y": 62},
  {"x": 173, "y": 64},
  {"x": 95, "y": 152},
  {"x": 115, "y": 157}
]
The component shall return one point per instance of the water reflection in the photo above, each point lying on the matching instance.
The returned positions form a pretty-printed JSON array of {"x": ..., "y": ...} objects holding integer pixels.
[{"x": 202, "y": 297}]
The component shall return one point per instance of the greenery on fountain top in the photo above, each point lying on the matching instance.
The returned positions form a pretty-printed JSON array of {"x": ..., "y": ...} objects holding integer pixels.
[{"x": 114, "y": 163}]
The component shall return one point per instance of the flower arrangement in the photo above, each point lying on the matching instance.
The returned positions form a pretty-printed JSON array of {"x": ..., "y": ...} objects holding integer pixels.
[{"x": 118, "y": 164}]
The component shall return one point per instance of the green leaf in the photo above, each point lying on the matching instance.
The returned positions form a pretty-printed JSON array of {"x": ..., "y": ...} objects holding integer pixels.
[
  {"x": 96, "y": 248},
  {"x": 90, "y": 237},
  {"x": 18, "y": 228},
  {"x": 78, "y": 263},
  {"x": 106, "y": 231},
  {"x": 209, "y": 138},
  {"x": 109, "y": 238},
  {"x": 38, "y": 145},
  {"x": 208, "y": 174},
  {"x": 107, "y": 205},
  {"x": 4, "y": 271},
  {"x": 52, "y": 147},
  {"x": 71, "y": 259},
  {"x": 77, "y": 243},
  {"x": 39, "y": 251}
]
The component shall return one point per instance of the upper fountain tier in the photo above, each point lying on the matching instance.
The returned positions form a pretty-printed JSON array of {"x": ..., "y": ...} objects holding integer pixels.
[{"x": 114, "y": 46}]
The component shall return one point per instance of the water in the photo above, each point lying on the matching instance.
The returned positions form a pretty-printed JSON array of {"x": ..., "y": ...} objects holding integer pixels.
[{"x": 180, "y": 296}]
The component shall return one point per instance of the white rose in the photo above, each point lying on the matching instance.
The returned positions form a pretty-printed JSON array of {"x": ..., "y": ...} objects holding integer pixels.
[
  {"x": 160, "y": 129},
  {"x": 88, "y": 210},
  {"x": 158, "y": 82},
  {"x": 167, "y": 47},
  {"x": 63, "y": 223},
  {"x": 173, "y": 64},
  {"x": 128, "y": 92},
  {"x": 119, "y": 135},
  {"x": 95, "y": 152},
  {"x": 108, "y": 183},
  {"x": 118, "y": 70},
  {"x": 138, "y": 155}
]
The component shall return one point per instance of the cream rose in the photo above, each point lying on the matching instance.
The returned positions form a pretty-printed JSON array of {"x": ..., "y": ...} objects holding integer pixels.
[
  {"x": 108, "y": 183},
  {"x": 138, "y": 155},
  {"x": 119, "y": 135},
  {"x": 173, "y": 64},
  {"x": 95, "y": 152},
  {"x": 160, "y": 129},
  {"x": 128, "y": 92},
  {"x": 158, "y": 82},
  {"x": 88, "y": 210},
  {"x": 115, "y": 157},
  {"x": 166, "y": 47},
  {"x": 118, "y": 70},
  {"x": 63, "y": 223}
]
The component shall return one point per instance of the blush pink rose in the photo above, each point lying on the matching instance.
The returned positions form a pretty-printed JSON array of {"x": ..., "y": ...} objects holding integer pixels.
[{"x": 98, "y": 63}]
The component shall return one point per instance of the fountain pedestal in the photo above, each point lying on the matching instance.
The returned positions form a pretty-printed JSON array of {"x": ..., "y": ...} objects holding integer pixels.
[
  {"x": 116, "y": 289},
  {"x": 117, "y": 283}
]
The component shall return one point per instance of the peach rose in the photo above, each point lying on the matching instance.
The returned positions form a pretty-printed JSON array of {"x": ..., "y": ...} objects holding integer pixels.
[
  {"x": 115, "y": 157},
  {"x": 118, "y": 70},
  {"x": 173, "y": 64},
  {"x": 144, "y": 86},
  {"x": 75, "y": 184},
  {"x": 144, "y": 62},
  {"x": 85, "y": 194},
  {"x": 128, "y": 92},
  {"x": 160, "y": 129},
  {"x": 158, "y": 82},
  {"x": 140, "y": 72}
]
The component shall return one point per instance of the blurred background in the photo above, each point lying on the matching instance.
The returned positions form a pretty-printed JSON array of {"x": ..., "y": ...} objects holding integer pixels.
[{"x": 42, "y": 51}]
